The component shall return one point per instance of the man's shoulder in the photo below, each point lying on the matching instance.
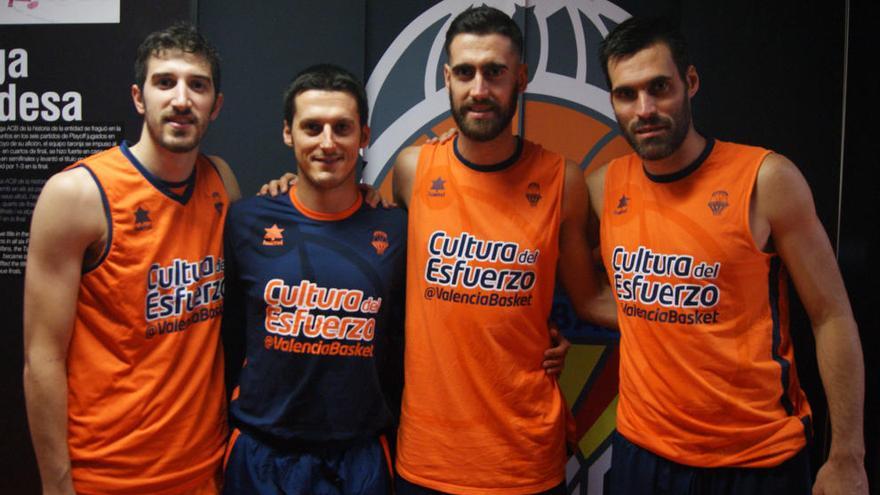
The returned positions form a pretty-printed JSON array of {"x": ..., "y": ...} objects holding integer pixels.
[
  {"x": 393, "y": 215},
  {"x": 731, "y": 148},
  {"x": 247, "y": 209},
  {"x": 74, "y": 182},
  {"x": 256, "y": 204},
  {"x": 72, "y": 203},
  {"x": 409, "y": 156},
  {"x": 109, "y": 156},
  {"x": 624, "y": 158},
  {"x": 389, "y": 220},
  {"x": 535, "y": 150}
]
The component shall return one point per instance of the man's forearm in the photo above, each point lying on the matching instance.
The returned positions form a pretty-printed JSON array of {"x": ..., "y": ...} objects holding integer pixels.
[
  {"x": 841, "y": 366},
  {"x": 601, "y": 309},
  {"x": 45, "y": 386}
]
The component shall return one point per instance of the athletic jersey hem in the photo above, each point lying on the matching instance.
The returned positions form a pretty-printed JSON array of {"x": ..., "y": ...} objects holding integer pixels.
[
  {"x": 296, "y": 445},
  {"x": 463, "y": 490},
  {"x": 774, "y": 460},
  {"x": 95, "y": 489}
]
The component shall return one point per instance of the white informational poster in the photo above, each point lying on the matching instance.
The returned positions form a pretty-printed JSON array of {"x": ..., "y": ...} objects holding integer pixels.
[{"x": 59, "y": 11}]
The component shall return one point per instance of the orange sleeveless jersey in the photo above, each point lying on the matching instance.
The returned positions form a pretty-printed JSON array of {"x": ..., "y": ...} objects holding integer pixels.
[
  {"x": 146, "y": 400},
  {"x": 707, "y": 374},
  {"x": 479, "y": 414}
]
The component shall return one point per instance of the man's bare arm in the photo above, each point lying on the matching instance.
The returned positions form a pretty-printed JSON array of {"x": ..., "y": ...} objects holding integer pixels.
[
  {"x": 405, "y": 175},
  {"x": 232, "y": 189},
  {"x": 58, "y": 242},
  {"x": 783, "y": 203},
  {"x": 576, "y": 269}
]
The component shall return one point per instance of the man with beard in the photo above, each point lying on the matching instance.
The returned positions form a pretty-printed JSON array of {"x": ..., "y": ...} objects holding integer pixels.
[
  {"x": 492, "y": 216},
  {"x": 124, "y": 290},
  {"x": 696, "y": 234}
]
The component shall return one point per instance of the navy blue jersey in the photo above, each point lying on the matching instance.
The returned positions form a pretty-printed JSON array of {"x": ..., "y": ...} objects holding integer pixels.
[{"x": 318, "y": 300}]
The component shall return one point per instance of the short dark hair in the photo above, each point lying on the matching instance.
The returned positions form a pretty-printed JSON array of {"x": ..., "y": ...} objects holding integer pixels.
[
  {"x": 485, "y": 20},
  {"x": 181, "y": 36},
  {"x": 638, "y": 33},
  {"x": 325, "y": 77}
]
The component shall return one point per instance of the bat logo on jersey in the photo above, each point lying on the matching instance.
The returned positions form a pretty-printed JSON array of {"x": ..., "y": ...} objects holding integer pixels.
[
  {"x": 533, "y": 193},
  {"x": 274, "y": 236},
  {"x": 718, "y": 202},
  {"x": 380, "y": 242},
  {"x": 142, "y": 219},
  {"x": 681, "y": 287}
]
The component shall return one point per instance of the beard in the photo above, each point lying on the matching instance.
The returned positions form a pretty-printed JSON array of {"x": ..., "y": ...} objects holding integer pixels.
[
  {"x": 663, "y": 146},
  {"x": 484, "y": 129},
  {"x": 176, "y": 141}
]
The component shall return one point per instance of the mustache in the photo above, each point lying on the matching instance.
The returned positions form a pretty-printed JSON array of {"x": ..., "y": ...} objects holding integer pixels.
[
  {"x": 491, "y": 105},
  {"x": 653, "y": 121},
  {"x": 174, "y": 113}
]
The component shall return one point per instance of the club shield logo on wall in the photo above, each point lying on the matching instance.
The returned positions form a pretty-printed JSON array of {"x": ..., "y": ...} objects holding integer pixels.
[{"x": 566, "y": 108}]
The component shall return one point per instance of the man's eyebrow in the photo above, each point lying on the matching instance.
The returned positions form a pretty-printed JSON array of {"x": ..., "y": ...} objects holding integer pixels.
[
  {"x": 187, "y": 76},
  {"x": 656, "y": 79},
  {"x": 332, "y": 120}
]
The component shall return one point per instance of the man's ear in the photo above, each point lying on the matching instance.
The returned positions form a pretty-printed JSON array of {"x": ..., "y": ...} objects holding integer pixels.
[
  {"x": 287, "y": 135},
  {"x": 522, "y": 77},
  {"x": 137, "y": 96},
  {"x": 365, "y": 136},
  {"x": 218, "y": 104},
  {"x": 693, "y": 81}
]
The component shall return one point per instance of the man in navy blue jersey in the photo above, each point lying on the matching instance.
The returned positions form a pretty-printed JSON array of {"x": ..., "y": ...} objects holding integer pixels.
[{"x": 315, "y": 281}]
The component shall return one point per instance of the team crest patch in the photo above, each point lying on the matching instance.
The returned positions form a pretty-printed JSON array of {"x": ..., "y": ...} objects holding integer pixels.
[
  {"x": 533, "y": 193},
  {"x": 718, "y": 202},
  {"x": 622, "y": 205},
  {"x": 274, "y": 236},
  {"x": 438, "y": 188},
  {"x": 142, "y": 219},
  {"x": 380, "y": 242},
  {"x": 218, "y": 201}
]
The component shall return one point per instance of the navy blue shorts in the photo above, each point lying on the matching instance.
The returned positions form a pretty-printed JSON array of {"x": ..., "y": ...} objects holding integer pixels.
[
  {"x": 404, "y": 487},
  {"x": 252, "y": 467},
  {"x": 636, "y": 471}
]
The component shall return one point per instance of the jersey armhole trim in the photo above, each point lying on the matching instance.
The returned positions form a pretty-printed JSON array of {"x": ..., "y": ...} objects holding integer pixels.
[
  {"x": 747, "y": 211},
  {"x": 107, "y": 216},
  {"x": 213, "y": 165},
  {"x": 775, "y": 291}
]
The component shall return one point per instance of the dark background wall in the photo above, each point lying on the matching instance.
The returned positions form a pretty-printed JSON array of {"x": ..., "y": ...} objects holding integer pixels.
[
  {"x": 772, "y": 74},
  {"x": 260, "y": 57},
  {"x": 859, "y": 237}
]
